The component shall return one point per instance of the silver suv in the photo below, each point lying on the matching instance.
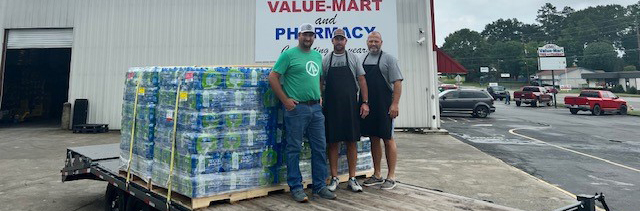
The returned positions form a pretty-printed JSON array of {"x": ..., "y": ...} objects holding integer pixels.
[{"x": 478, "y": 103}]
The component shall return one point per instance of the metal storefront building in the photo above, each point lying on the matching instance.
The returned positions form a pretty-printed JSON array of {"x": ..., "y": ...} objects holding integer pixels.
[{"x": 110, "y": 36}]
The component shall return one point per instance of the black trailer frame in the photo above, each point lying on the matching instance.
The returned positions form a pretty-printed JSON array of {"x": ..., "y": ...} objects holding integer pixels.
[{"x": 101, "y": 162}]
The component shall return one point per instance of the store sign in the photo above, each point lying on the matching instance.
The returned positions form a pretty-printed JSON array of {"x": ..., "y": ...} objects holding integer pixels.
[
  {"x": 277, "y": 25},
  {"x": 549, "y": 50},
  {"x": 484, "y": 69}
]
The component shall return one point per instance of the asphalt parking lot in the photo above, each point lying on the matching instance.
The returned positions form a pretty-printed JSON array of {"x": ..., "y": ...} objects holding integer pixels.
[{"x": 582, "y": 154}]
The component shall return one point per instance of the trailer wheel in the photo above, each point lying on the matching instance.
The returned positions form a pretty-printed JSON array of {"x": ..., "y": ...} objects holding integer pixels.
[
  {"x": 573, "y": 110},
  {"x": 115, "y": 199},
  {"x": 135, "y": 204},
  {"x": 518, "y": 103}
]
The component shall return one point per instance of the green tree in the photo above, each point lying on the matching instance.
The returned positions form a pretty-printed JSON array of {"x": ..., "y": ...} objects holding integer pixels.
[
  {"x": 509, "y": 58},
  {"x": 629, "y": 68},
  {"x": 470, "y": 49},
  {"x": 600, "y": 56},
  {"x": 503, "y": 30},
  {"x": 552, "y": 21},
  {"x": 629, "y": 38}
]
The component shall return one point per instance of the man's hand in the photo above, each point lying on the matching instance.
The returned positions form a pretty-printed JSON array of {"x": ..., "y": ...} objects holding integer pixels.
[
  {"x": 393, "y": 111},
  {"x": 290, "y": 104},
  {"x": 364, "y": 110}
]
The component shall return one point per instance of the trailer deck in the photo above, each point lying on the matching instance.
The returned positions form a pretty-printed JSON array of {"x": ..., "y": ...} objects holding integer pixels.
[{"x": 101, "y": 162}]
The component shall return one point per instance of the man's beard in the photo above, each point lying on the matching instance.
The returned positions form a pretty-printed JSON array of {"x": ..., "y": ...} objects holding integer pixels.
[{"x": 306, "y": 44}]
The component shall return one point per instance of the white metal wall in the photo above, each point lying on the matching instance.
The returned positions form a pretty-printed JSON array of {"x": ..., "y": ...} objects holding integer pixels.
[{"x": 111, "y": 36}]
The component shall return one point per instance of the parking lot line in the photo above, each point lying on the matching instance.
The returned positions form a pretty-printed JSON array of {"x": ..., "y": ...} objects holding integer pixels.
[{"x": 512, "y": 131}]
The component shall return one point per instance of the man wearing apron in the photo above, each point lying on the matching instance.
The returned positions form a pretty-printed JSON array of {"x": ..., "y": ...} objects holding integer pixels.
[
  {"x": 342, "y": 108},
  {"x": 300, "y": 69},
  {"x": 384, "y": 83}
]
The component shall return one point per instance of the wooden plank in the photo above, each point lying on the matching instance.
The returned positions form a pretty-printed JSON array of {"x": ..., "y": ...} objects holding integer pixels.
[
  {"x": 197, "y": 203},
  {"x": 147, "y": 183}
]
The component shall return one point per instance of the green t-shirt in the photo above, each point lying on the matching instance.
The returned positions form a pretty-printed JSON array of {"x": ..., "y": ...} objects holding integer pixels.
[{"x": 301, "y": 73}]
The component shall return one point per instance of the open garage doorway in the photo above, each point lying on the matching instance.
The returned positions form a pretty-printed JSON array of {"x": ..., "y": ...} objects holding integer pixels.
[{"x": 35, "y": 77}]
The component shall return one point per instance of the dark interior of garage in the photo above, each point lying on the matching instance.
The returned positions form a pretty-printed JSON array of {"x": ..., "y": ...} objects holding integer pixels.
[{"x": 35, "y": 85}]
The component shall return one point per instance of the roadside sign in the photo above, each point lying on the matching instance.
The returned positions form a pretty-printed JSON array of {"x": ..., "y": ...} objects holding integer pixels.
[
  {"x": 493, "y": 84},
  {"x": 505, "y": 75},
  {"x": 552, "y": 63},
  {"x": 565, "y": 87},
  {"x": 550, "y": 50},
  {"x": 484, "y": 69},
  {"x": 458, "y": 78}
]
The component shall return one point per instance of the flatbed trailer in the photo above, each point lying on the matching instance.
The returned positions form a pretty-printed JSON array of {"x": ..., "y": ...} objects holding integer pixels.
[{"x": 101, "y": 162}]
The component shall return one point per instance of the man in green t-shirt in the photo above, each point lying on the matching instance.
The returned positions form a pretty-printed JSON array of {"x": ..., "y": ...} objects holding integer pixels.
[{"x": 300, "y": 69}]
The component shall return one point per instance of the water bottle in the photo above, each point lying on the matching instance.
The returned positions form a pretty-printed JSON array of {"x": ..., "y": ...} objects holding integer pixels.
[{"x": 214, "y": 78}]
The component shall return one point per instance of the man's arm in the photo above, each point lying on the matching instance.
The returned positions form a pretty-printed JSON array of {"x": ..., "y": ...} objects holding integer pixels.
[
  {"x": 364, "y": 91},
  {"x": 274, "y": 81},
  {"x": 397, "y": 91},
  {"x": 321, "y": 80}
]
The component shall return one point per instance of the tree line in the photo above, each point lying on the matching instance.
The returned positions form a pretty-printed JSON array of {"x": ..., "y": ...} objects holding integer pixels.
[{"x": 603, "y": 37}]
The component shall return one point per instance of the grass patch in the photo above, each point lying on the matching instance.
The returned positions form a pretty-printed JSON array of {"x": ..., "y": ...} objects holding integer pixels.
[{"x": 626, "y": 95}]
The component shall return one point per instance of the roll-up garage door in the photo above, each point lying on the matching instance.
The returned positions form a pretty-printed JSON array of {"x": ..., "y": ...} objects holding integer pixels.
[{"x": 39, "y": 38}]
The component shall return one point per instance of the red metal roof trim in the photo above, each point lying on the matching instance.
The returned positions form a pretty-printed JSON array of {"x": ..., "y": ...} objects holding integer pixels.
[{"x": 446, "y": 64}]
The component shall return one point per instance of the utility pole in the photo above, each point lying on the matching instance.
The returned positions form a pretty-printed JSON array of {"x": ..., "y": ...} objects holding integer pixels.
[{"x": 638, "y": 37}]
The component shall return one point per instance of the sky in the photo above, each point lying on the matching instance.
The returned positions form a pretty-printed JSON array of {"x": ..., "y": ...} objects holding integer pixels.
[{"x": 453, "y": 15}]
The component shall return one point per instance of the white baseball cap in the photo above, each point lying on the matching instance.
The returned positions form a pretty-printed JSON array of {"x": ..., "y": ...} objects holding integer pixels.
[{"x": 306, "y": 27}]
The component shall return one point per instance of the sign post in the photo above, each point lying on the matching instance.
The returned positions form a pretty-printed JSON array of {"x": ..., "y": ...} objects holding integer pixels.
[
  {"x": 551, "y": 57},
  {"x": 483, "y": 70}
]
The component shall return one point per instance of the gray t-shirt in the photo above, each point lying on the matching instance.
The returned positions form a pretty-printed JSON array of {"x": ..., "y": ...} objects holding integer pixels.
[
  {"x": 339, "y": 60},
  {"x": 388, "y": 67}
]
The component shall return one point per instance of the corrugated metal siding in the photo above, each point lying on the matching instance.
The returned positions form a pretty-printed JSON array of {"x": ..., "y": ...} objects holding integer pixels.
[
  {"x": 38, "y": 13},
  {"x": 111, "y": 36},
  {"x": 413, "y": 58}
]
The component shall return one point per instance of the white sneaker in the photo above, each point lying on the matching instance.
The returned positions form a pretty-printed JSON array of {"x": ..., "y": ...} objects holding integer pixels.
[
  {"x": 334, "y": 184},
  {"x": 354, "y": 185}
]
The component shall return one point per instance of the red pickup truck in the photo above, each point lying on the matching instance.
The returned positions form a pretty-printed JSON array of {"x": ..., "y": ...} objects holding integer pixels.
[
  {"x": 533, "y": 95},
  {"x": 596, "y": 101}
]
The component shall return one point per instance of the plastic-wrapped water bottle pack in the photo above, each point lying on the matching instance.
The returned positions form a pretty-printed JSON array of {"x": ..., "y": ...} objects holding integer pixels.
[
  {"x": 225, "y": 126},
  {"x": 228, "y": 129},
  {"x": 143, "y": 84}
]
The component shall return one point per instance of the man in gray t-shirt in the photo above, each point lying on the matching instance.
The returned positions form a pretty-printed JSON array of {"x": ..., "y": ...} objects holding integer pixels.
[
  {"x": 384, "y": 83},
  {"x": 345, "y": 86}
]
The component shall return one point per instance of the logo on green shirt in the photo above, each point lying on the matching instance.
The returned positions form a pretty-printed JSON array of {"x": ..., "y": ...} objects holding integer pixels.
[{"x": 312, "y": 68}]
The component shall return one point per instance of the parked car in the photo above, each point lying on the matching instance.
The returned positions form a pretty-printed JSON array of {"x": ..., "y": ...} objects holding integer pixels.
[
  {"x": 498, "y": 92},
  {"x": 596, "y": 101},
  {"x": 533, "y": 95},
  {"x": 444, "y": 87},
  {"x": 477, "y": 102}
]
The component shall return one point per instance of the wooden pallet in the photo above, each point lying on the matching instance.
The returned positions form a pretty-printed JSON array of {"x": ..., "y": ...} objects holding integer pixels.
[
  {"x": 91, "y": 128},
  {"x": 147, "y": 183},
  {"x": 197, "y": 203}
]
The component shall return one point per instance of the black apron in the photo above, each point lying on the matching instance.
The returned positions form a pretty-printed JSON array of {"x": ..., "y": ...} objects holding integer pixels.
[
  {"x": 341, "y": 109},
  {"x": 378, "y": 123}
]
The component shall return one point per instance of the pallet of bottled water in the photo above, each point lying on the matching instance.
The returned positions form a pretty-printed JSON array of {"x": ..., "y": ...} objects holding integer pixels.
[{"x": 227, "y": 125}]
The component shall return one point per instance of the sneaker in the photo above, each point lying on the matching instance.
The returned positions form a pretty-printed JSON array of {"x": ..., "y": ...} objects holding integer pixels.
[
  {"x": 373, "y": 180},
  {"x": 353, "y": 184},
  {"x": 388, "y": 184},
  {"x": 325, "y": 194},
  {"x": 299, "y": 196},
  {"x": 334, "y": 184}
]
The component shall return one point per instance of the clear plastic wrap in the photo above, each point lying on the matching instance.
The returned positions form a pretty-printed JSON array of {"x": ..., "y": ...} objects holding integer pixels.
[{"x": 229, "y": 133}]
